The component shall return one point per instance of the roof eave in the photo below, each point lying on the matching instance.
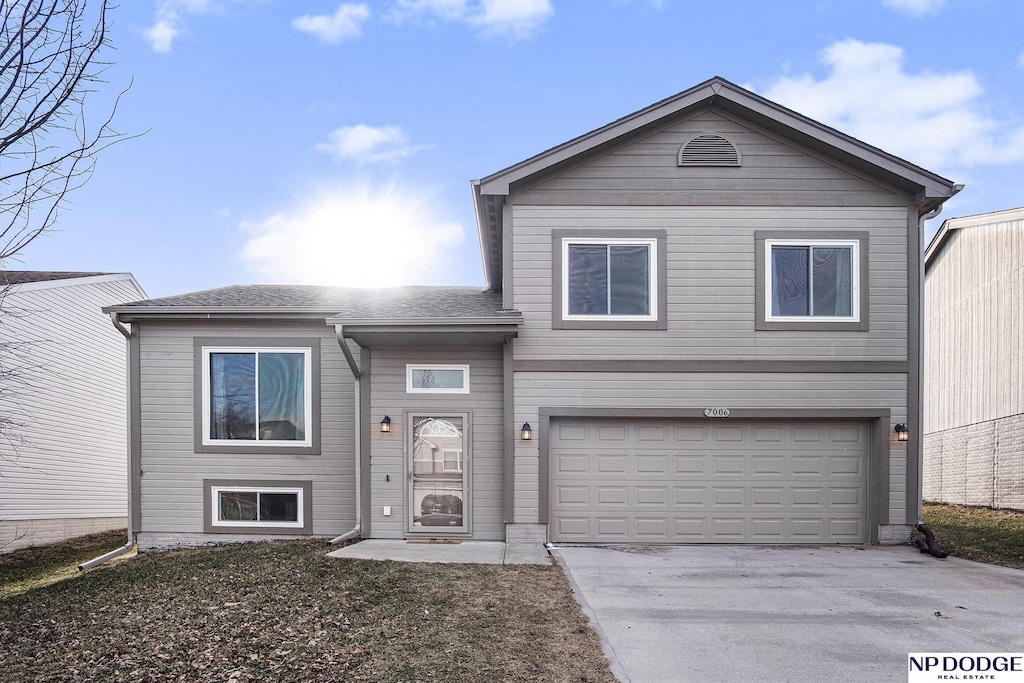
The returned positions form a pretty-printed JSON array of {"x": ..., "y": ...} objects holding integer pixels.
[
  {"x": 930, "y": 187},
  {"x": 244, "y": 313}
]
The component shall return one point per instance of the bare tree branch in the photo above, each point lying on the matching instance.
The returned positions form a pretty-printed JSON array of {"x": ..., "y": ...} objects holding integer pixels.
[{"x": 49, "y": 65}]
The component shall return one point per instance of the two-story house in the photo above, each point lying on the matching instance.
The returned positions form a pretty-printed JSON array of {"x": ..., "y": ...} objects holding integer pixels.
[{"x": 701, "y": 324}]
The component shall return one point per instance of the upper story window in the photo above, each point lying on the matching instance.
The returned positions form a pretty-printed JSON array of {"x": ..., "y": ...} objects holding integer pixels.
[
  {"x": 613, "y": 280},
  {"x": 812, "y": 283},
  {"x": 257, "y": 396},
  {"x": 437, "y": 379}
]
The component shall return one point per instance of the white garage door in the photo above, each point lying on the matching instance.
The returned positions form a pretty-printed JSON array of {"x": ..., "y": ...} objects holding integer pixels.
[{"x": 708, "y": 481}]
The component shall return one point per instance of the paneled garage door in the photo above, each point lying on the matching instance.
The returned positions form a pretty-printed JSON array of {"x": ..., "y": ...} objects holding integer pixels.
[{"x": 710, "y": 481}]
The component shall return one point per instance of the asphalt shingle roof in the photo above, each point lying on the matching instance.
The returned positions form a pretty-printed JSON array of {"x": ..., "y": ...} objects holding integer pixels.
[
  {"x": 342, "y": 302},
  {"x": 20, "y": 277}
]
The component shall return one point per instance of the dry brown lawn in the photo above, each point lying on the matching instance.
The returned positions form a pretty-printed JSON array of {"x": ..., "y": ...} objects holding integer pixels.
[{"x": 284, "y": 612}]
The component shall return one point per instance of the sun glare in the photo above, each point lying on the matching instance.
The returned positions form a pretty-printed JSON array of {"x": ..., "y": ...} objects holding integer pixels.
[{"x": 357, "y": 238}]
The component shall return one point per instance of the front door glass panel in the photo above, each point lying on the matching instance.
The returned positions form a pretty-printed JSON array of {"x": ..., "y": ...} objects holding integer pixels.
[{"x": 438, "y": 473}]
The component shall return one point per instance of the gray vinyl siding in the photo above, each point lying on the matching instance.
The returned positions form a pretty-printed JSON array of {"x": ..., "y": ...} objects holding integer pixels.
[
  {"x": 613, "y": 391},
  {"x": 773, "y": 171},
  {"x": 71, "y": 408},
  {"x": 974, "y": 327},
  {"x": 389, "y": 469},
  {"x": 711, "y": 284},
  {"x": 173, "y": 473},
  {"x": 711, "y": 218}
]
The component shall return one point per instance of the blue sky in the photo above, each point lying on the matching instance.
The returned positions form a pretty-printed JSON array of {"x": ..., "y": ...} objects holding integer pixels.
[{"x": 326, "y": 142}]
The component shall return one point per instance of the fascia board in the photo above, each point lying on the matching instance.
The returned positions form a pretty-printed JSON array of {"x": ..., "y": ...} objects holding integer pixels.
[
  {"x": 932, "y": 185},
  {"x": 500, "y": 321},
  {"x": 500, "y": 182},
  {"x": 130, "y": 313}
]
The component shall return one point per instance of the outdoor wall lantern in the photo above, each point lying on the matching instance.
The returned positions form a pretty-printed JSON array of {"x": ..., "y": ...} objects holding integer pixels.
[
  {"x": 385, "y": 425},
  {"x": 902, "y": 433},
  {"x": 527, "y": 432}
]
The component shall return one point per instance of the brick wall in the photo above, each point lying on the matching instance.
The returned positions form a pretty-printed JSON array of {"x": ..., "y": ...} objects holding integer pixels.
[
  {"x": 23, "y": 533},
  {"x": 979, "y": 464}
]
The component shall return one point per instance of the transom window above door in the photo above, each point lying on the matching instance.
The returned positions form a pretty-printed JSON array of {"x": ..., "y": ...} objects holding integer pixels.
[
  {"x": 437, "y": 379},
  {"x": 610, "y": 281}
]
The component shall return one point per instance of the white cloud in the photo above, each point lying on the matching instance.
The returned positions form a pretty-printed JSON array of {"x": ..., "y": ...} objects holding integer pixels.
[
  {"x": 357, "y": 237},
  {"x": 369, "y": 144},
  {"x": 346, "y": 22},
  {"x": 915, "y": 8},
  {"x": 938, "y": 120},
  {"x": 1020, "y": 59},
  {"x": 513, "y": 19},
  {"x": 168, "y": 19}
]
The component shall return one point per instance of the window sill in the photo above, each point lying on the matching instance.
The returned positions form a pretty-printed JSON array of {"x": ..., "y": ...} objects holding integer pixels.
[
  {"x": 610, "y": 324},
  {"x": 813, "y": 325}
]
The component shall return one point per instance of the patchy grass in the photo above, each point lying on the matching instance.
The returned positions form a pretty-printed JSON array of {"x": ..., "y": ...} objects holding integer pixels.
[
  {"x": 982, "y": 534},
  {"x": 283, "y": 611},
  {"x": 29, "y": 568}
]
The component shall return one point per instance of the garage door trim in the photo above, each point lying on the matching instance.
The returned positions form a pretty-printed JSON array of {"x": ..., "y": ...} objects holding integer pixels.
[{"x": 878, "y": 444}]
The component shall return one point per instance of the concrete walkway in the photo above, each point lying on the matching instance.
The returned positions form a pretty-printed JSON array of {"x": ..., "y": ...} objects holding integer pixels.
[
  {"x": 462, "y": 552},
  {"x": 770, "y": 613}
]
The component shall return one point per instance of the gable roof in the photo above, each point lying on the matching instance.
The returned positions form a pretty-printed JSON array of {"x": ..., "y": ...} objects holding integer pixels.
[
  {"x": 951, "y": 225},
  {"x": 929, "y": 189}
]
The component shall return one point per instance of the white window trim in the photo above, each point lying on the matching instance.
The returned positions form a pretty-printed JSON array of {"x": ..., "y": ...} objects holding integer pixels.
[
  {"x": 854, "y": 246},
  {"x": 216, "y": 521},
  {"x": 652, "y": 263},
  {"x": 257, "y": 442},
  {"x": 410, "y": 389}
]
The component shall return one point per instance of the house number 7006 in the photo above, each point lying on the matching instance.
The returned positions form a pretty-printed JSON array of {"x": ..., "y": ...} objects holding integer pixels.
[{"x": 716, "y": 412}]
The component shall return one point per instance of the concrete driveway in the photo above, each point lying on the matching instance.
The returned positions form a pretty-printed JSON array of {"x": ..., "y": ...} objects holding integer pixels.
[{"x": 772, "y": 613}]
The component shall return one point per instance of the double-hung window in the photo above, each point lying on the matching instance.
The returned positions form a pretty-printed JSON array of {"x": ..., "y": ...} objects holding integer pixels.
[
  {"x": 610, "y": 280},
  {"x": 257, "y": 397},
  {"x": 809, "y": 283}
]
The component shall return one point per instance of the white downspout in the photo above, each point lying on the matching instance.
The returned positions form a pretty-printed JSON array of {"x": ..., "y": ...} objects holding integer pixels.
[
  {"x": 358, "y": 528},
  {"x": 919, "y": 418},
  {"x": 131, "y": 538}
]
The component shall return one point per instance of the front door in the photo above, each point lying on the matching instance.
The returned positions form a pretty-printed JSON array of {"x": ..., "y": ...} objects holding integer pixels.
[{"x": 438, "y": 468}]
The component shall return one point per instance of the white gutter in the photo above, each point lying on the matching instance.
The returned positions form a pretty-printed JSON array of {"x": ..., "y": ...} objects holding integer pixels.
[
  {"x": 355, "y": 531},
  {"x": 131, "y": 539}
]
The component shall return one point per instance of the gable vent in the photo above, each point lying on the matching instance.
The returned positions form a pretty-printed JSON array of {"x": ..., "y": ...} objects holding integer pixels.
[{"x": 709, "y": 149}]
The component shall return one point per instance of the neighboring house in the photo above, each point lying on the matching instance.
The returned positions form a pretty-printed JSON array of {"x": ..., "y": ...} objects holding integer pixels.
[
  {"x": 64, "y": 452},
  {"x": 974, "y": 378},
  {"x": 707, "y": 312}
]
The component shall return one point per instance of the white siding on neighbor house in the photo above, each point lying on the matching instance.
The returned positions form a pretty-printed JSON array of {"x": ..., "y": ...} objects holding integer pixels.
[
  {"x": 974, "y": 327},
  {"x": 611, "y": 391},
  {"x": 173, "y": 473},
  {"x": 389, "y": 467},
  {"x": 69, "y": 400},
  {"x": 711, "y": 284},
  {"x": 974, "y": 378}
]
